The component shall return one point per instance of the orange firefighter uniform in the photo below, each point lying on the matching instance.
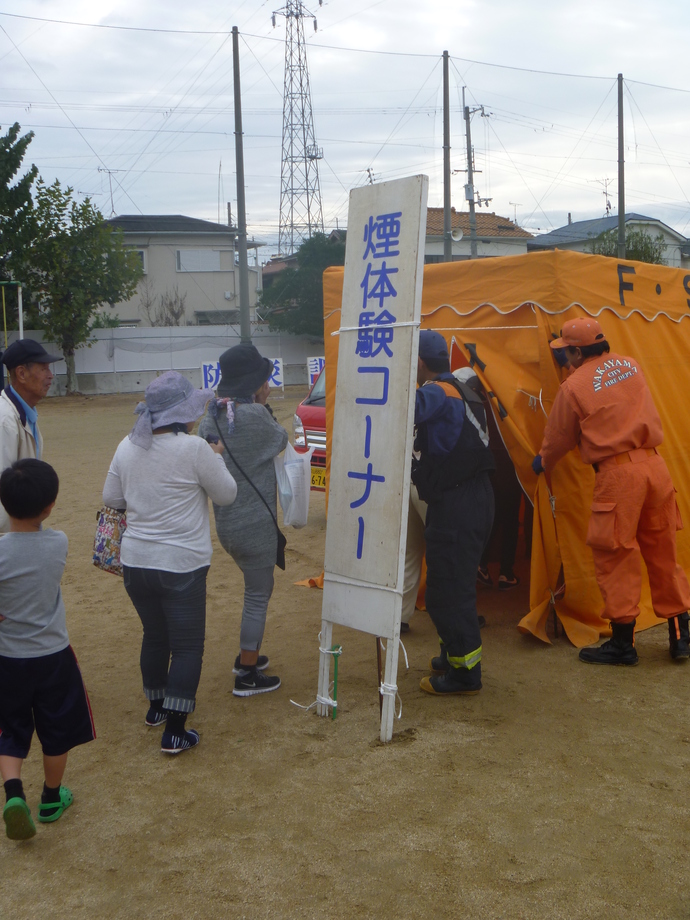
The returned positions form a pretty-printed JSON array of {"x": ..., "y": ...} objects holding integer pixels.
[{"x": 606, "y": 409}]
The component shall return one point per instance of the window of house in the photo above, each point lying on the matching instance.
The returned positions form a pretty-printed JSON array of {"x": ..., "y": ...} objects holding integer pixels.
[
  {"x": 141, "y": 253},
  {"x": 198, "y": 260}
]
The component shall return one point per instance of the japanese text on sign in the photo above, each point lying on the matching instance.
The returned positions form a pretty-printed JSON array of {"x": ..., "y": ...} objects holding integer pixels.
[
  {"x": 210, "y": 374},
  {"x": 374, "y": 345}
]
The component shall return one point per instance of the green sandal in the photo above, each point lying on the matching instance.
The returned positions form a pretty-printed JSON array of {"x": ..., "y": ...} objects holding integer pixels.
[
  {"x": 18, "y": 821},
  {"x": 51, "y": 811}
]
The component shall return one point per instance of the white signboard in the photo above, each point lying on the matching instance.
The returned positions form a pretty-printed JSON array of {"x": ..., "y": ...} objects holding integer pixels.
[
  {"x": 276, "y": 378},
  {"x": 374, "y": 409},
  {"x": 210, "y": 374},
  {"x": 314, "y": 368}
]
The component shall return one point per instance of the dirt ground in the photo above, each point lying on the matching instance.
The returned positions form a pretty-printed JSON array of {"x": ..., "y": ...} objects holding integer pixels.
[{"x": 558, "y": 792}]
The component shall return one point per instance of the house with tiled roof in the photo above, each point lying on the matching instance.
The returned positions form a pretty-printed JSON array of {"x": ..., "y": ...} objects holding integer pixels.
[
  {"x": 191, "y": 275},
  {"x": 578, "y": 236},
  {"x": 496, "y": 236}
]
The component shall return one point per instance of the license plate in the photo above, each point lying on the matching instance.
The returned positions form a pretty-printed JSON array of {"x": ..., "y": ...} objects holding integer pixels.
[{"x": 318, "y": 477}]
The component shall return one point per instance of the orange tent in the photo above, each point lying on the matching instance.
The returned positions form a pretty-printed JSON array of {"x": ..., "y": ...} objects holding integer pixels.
[{"x": 502, "y": 313}]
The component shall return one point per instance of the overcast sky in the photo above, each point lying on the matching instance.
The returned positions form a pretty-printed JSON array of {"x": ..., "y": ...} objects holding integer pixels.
[{"x": 156, "y": 107}]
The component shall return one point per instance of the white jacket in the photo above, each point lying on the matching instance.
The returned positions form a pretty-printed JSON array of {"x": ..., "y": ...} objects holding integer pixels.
[{"x": 16, "y": 441}]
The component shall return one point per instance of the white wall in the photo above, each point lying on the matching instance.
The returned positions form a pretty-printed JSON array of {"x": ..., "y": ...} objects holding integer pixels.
[
  {"x": 127, "y": 360},
  {"x": 462, "y": 248}
]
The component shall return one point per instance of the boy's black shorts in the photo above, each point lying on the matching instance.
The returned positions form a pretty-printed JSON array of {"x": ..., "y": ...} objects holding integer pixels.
[{"x": 47, "y": 694}]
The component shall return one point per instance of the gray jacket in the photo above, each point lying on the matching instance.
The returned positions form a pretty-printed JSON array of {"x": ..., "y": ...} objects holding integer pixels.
[{"x": 245, "y": 528}]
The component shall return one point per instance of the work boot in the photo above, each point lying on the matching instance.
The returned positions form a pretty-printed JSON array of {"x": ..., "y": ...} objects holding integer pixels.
[
  {"x": 619, "y": 649},
  {"x": 455, "y": 682},
  {"x": 679, "y": 636}
]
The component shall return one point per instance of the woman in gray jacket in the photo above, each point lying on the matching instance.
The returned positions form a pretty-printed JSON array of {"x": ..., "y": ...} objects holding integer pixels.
[{"x": 247, "y": 529}]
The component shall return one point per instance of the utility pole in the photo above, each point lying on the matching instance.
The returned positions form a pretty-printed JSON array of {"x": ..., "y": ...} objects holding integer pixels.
[
  {"x": 469, "y": 188},
  {"x": 621, "y": 172},
  {"x": 447, "y": 239},
  {"x": 245, "y": 327},
  {"x": 301, "y": 214}
]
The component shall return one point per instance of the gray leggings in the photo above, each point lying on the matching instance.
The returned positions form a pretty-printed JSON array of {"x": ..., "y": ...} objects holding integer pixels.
[{"x": 258, "y": 587}]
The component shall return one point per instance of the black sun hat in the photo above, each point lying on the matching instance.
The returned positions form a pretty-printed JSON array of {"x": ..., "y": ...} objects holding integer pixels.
[{"x": 242, "y": 371}]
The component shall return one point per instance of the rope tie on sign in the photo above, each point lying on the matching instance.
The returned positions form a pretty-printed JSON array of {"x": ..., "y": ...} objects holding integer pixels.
[
  {"x": 336, "y": 651},
  {"x": 387, "y": 326},
  {"x": 391, "y": 690}
]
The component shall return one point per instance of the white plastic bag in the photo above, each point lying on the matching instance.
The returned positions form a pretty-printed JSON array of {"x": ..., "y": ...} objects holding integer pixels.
[{"x": 293, "y": 474}]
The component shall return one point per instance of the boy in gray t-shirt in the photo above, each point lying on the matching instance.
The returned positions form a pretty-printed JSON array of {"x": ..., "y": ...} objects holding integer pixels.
[{"x": 40, "y": 682}]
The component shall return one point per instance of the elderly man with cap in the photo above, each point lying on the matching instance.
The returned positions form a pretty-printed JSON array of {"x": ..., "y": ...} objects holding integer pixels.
[
  {"x": 451, "y": 474},
  {"x": 30, "y": 375},
  {"x": 606, "y": 409}
]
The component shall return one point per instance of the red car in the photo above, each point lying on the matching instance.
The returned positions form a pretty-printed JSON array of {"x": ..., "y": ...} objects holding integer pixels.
[{"x": 309, "y": 424}]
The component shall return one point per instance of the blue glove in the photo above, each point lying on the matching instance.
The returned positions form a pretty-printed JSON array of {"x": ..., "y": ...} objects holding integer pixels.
[
  {"x": 560, "y": 357},
  {"x": 537, "y": 465}
]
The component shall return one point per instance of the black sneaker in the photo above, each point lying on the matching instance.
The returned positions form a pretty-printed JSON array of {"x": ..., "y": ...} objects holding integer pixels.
[
  {"x": 262, "y": 663},
  {"x": 483, "y": 577},
  {"x": 154, "y": 717},
  {"x": 251, "y": 681},
  {"x": 175, "y": 744}
]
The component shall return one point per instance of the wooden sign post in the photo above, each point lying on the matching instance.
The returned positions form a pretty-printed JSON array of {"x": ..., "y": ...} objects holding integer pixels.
[{"x": 372, "y": 433}]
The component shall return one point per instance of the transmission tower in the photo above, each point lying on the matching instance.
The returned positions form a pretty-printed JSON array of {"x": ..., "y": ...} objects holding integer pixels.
[{"x": 301, "y": 214}]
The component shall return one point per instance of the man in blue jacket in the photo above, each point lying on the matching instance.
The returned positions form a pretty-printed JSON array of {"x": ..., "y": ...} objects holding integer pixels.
[{"x": 451, "y": 471}]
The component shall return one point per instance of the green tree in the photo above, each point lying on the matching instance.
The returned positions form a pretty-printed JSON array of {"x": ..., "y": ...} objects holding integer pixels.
[
  {"x": 16, "y": 208},
  {"x": 294, "y": 302},
  {"x": 74, "y": 264},
  {"x": 639, "y": 246}
]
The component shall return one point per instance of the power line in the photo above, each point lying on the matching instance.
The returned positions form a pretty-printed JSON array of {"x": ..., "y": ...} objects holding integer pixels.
[
  {"x": 103, "y": 25},
  {"x": 45, "y": 87},
  {"x": 157, "y": 30}
]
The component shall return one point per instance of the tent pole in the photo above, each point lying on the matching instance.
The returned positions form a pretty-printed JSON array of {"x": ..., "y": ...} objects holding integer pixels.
[
  {"x": 447, "y": 240},
  {"x": 621, "y": 172}
]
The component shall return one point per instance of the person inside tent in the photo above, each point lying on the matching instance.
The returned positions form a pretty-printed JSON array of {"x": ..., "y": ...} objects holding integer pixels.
[
  {"x": 452, "y": 477},
  {"x": 606, "y": 409}
]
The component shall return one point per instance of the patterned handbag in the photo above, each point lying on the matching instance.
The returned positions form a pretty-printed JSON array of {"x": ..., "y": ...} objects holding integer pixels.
[{"x": 106, "y": 546}]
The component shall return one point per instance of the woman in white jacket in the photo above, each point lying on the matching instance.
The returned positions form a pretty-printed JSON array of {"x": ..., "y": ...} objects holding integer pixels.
[{"x": 164, "y": 477}]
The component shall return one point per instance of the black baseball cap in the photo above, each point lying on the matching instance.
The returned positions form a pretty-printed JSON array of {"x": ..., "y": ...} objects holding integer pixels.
[
  {"x": 432, "y": 345},
  {"x": 27, "y": 351}
]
